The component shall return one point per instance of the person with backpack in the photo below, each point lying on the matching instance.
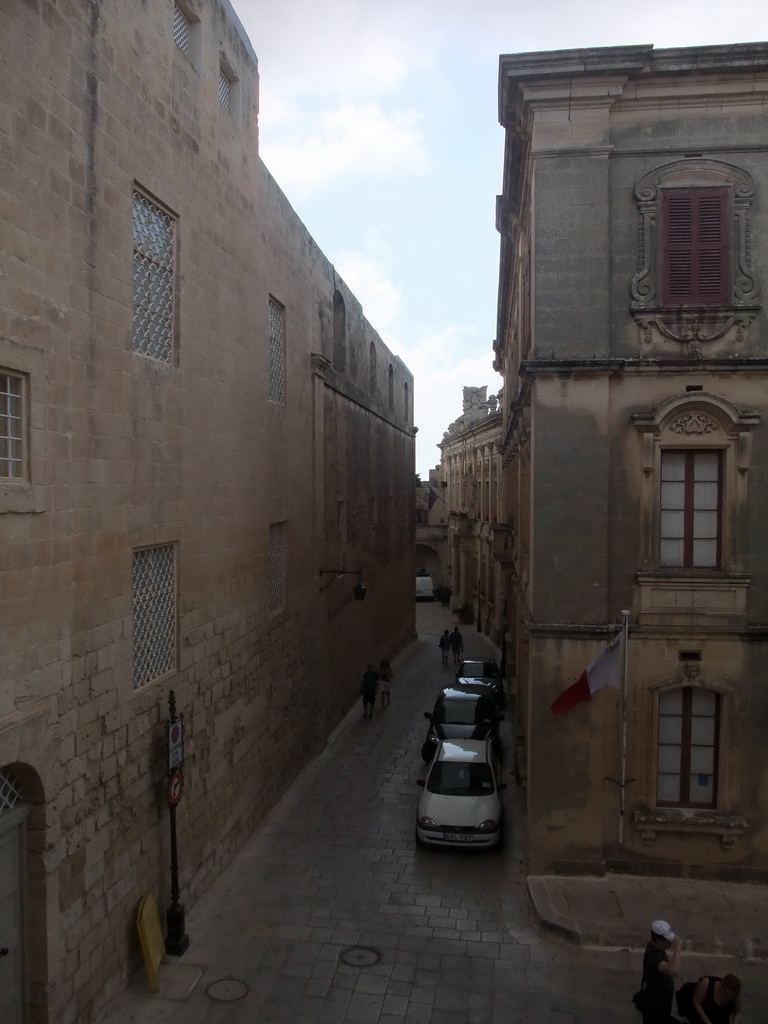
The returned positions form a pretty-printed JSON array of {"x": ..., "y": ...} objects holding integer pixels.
[
  {"x": 711, "y": 1000},
  {"x": 657, "y": 989}
]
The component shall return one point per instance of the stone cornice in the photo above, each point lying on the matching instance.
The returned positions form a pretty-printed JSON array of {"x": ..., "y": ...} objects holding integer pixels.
[{"x": 568, "y": 367}]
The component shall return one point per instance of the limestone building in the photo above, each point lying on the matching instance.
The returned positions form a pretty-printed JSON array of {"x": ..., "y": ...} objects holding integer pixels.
[
  {"x": 478, "y": 536},
  {"x": 203, "y": 447},
  {"x": 633, "y": 341}
]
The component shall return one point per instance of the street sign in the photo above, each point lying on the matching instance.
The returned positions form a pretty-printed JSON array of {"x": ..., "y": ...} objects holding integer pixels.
[
  {"x": 175, "y": 732},
  {"x": 175, "y": 788}
]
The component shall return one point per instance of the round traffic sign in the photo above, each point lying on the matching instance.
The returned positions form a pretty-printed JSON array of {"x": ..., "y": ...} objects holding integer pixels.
[{"x": 174, "y": 789}]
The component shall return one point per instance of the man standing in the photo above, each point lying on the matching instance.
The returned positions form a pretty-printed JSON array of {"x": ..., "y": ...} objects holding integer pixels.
[
  {"x": 659, "y": 972},
  {"x": 369, "y": 687},
  {"x": 457, "y": 645}
]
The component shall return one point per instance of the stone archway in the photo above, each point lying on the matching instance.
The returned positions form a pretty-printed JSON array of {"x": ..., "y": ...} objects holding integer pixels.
[{"x": 24, "y": 967}]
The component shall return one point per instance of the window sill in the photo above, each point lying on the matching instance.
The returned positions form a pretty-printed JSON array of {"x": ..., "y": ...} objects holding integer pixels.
[
  {"x": 20, "y": 496},
  {"x": 730, "y": 827},
  {"x": 693, "y": 596}
]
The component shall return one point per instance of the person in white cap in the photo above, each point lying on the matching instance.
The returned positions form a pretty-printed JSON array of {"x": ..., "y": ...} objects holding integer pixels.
[{"x": 659, "y": 973}]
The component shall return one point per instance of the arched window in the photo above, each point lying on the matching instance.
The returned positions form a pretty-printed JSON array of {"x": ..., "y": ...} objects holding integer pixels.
[
  {"x": 391, "y": 387},
  {"x": 373, "y": 369},
  {"x": 406, "y": 397},
  {"x": 339, "y": 332}
]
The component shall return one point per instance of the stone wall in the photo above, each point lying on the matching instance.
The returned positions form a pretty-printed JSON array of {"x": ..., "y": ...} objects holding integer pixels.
[{"x": 123, "y": 452}]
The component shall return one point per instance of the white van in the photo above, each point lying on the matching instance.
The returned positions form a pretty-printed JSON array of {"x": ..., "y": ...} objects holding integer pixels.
[{"x": 425, "y": 588}]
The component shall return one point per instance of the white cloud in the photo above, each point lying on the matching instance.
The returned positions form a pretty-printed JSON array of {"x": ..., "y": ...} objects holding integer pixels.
[
  {"x": 347, "y": 140},
  {"x": 368, "y": 279}
]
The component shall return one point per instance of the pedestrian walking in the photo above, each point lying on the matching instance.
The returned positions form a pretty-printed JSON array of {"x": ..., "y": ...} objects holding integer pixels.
[
  {"x": 444, "y": 643},
  {"x": 369, "y": 687},
  {"x": 386, "y": 676},
  {"x": 457, "y": 644},
  {"x": 657, "y": 988}
]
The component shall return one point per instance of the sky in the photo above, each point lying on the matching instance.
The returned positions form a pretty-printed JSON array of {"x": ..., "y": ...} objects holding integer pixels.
[{"x": 379, "y": 120}]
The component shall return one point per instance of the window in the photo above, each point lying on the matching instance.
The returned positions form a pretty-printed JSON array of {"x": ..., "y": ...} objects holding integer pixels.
[
  {"x": 154, "y": 268},
  {"x": 154, "y": 613},
  {"x": 276, "y": 375},
  {"x": 11, "y": 427},
  {"x": 687, "y": 768},
  {"x": 690, "y": 509},
  {"x": 373, "y": 369},
  {"x": 339, "y": 332},
  {"x": 695, "y": 246},
  {"x": 694, "y": 291},
  {"x": 276, "y": 568},
  {"x": 224, "y": 90},
  {"x": 181, "y": 29}
]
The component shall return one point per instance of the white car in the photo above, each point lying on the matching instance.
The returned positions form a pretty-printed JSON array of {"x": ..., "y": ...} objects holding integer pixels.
[{"x": 461, "y": 802}]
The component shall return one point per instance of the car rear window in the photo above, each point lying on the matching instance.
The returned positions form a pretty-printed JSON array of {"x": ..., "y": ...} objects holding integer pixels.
[
  {"x": 465, "y": 712},
  {"x": 453, "y": 778}
]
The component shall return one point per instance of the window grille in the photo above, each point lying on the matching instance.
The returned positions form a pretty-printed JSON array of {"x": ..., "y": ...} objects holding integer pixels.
[
  {"x": 9, "y": 791},
  {"x": 224, "y": 90},
  {"x": 181, "y": 28},
  {"x": 276, "y": 569},
  {"x": 154, "y": 247},
  {"x": 11, "y": 450},
  {"x": 276, "y": 352},
  {"x": 154, "y": 613}
]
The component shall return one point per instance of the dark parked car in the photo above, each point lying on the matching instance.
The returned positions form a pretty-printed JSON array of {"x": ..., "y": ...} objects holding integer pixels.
[
  {"x": 463, "y": 711},
  {"x": 484, "y": 670}
]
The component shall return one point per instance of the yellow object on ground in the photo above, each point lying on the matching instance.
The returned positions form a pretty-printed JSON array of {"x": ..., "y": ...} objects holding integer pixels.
[{"x": 151, "y": 936}]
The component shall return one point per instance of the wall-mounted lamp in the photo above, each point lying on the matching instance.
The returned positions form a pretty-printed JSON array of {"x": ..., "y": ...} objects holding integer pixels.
[{"x": 358, "y": 591}]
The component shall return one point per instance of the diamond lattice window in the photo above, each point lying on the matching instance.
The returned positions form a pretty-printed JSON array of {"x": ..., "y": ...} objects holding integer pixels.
[
  {"x": 154, "y": 247},
  {"x": 11, "y": 427},
  {"x": 276, "y": 352},
  {"x": 154, "y": 613},
  {"x": 224, "y": 90},
  {"x": 181, "y": 29},
  {"x": 276, "y": 567},
  {"x": 9, "y": 792}
]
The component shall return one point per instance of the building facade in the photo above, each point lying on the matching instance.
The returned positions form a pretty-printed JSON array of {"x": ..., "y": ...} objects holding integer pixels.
[
  {"x": 478, "y": 536},
  {"x": 633, "y": 342},
  {"x": 204, "y": 447}
]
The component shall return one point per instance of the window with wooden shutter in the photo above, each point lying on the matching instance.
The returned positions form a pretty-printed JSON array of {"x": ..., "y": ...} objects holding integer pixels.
[{"x": 695, "y": 247}]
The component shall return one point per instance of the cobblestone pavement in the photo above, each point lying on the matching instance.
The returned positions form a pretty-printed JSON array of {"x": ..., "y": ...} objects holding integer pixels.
[{"x": 331, "y": 915}]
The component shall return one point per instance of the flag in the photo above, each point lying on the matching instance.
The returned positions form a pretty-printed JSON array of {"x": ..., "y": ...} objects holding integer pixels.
[
  {"x": 605, "y": 670},
  {"x": 433, "y": 496}
]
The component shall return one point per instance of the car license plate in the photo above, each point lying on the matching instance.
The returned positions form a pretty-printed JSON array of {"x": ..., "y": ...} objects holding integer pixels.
[{"x": 458, "y": 837}]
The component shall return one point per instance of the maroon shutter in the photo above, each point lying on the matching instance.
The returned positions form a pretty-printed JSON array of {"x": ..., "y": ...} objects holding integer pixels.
[{"x": 695, "y": 247}]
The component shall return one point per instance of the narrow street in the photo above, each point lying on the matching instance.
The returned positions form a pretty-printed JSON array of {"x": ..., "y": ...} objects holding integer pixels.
[{"x": 331, "y": 914}]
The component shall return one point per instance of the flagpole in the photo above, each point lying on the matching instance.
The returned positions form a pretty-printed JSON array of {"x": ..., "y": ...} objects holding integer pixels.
[{"x": 623, "y": 763}]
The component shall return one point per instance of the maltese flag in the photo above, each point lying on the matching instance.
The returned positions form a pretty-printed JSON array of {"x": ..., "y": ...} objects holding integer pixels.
[{"x": 605, "y": 670}]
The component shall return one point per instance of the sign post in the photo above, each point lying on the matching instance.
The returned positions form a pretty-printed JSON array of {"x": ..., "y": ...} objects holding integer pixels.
[{"x": 177, "y": 940}]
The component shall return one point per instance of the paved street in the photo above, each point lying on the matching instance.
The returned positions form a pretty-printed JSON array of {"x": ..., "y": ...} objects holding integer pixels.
[{"x": 331, "y": 914}]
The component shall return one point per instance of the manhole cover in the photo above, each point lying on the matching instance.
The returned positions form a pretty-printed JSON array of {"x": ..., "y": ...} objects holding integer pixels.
[
  {"x": 226, "y": 990},
  {"x": 360, "y": 956}
]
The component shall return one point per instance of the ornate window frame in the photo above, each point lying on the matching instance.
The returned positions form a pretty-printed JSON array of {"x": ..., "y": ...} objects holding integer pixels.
[
  {"x": 688, "y": 422},
  {"x": 694, "y": 330},
  {"x": 723, "y": 820}
]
